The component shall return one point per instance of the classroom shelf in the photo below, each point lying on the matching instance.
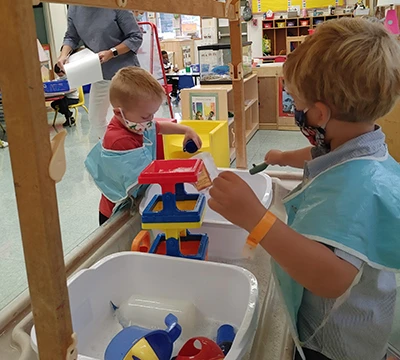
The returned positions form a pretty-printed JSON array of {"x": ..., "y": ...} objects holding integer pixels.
[
  {"x": 224, "y": 94},
  {"x": 278, "y": 34}
]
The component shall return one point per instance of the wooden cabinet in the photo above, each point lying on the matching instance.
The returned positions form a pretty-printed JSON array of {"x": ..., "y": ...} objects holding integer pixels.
[
  {"x": 224, "y": 105},
  {"x": 270, "y": 90}
]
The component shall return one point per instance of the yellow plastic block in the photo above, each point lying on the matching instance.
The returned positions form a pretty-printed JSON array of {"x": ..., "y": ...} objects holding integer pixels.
[
  {"x": 187, "y": 205},
  {"x": 172, "y": 226},
  {"x": 213, "y": 134},
  {"x": 141, "y": 350}
]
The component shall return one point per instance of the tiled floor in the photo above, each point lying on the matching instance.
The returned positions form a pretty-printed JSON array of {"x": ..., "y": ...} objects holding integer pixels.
[{"x": 78, "y": 198}]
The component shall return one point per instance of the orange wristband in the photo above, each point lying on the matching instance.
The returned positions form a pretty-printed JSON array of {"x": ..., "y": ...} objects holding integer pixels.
[{"x": 261, "y": 229}]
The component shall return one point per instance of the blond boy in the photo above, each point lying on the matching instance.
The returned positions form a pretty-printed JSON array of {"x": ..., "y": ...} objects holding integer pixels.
[
  {"x": 129, "y": 144},
  {"x": 335, "y": 260}
]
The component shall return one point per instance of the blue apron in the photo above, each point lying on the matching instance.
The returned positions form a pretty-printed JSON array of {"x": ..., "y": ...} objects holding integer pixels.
[
  {"x": 355, "y": 207},
  {"x": 116, "y": 172}
]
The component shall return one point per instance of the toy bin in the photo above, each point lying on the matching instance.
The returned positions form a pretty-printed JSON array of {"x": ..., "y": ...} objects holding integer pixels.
[
  {"x": 203, "y": 296},
  {"x": 213, "y": 134},
  {"x": 226, "y": 241}
]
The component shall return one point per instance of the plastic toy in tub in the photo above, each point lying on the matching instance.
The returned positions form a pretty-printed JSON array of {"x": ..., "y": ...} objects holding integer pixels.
[
  {"x": 135, "y": 342},
  {"x": 175, "y": 211},
  {"x": 225, "y": 337},
  {"x": 200, "y": 348}
]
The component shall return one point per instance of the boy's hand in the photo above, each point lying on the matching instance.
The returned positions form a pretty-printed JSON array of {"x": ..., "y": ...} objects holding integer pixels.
[
  {"x": 274, "y": 157},
  {"x": 231, "y": 197},
  {"x": 190, "y": 134},
  {"x": 105, "y": 56}
]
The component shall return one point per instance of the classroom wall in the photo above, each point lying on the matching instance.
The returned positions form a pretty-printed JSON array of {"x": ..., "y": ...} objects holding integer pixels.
[
  {"x": 56, "y": 24},
  {"x": 254, "y": 34}
]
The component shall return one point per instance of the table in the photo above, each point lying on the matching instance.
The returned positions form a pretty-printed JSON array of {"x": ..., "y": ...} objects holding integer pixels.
[
  {"x": 57, "y": 95},
  {"x": 182, "y": 73}
]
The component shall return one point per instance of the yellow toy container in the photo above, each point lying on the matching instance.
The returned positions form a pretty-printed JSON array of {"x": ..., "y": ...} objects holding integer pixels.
[{"x": 213, "y": 134}]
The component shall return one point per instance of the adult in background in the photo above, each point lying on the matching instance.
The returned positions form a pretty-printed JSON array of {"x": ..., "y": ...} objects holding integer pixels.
[{"x": 116, "y": 37}]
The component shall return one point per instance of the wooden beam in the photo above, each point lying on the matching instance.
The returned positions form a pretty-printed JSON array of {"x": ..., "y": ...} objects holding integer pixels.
[
  {"x": 210, "y": 8},
  {"x": 238, "y": 89},
  {"x": 30, "y": 152}
]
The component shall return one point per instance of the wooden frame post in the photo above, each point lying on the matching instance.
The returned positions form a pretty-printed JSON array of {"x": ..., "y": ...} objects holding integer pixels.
[
  {"x": 30, "y": 152},
  {"x": 235, "y": 28},
  {"x": 211, "y": 8}
]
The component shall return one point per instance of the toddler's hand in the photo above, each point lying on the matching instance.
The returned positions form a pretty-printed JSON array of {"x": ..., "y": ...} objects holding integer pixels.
[
  {"x": 190, "y": 134},
  {"x": 274, "y": 157},
  {"x": 233, "y": 198}
]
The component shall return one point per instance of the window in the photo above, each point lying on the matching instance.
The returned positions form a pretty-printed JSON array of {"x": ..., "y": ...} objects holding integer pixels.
[
  {"x": 174, "y": 25},
  {"x": 165, "y": 24},
  {"x": 191, "y": 26}
]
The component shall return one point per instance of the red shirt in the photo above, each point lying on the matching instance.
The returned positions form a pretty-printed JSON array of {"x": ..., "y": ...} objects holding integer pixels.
[{"x": 118, "y": 137}]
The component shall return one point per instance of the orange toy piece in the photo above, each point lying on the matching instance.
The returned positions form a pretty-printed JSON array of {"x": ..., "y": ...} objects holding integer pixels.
[{"x": 141, "y": 242}]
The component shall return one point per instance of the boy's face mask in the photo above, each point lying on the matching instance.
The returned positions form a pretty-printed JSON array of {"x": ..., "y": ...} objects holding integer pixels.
[
  {"x": 138, "y": 128},
  {"x": 314, "y": 134}
]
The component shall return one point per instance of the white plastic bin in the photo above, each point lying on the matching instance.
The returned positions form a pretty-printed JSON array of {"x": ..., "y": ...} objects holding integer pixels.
[
  {"x": 226, "y": 240},
  {"x": 222, "y": 293}
]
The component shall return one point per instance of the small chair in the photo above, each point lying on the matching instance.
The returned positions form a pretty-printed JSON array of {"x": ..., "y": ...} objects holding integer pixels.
[
  {"x": 81, "y": 103},
  {"x": 185, "y": 82}
]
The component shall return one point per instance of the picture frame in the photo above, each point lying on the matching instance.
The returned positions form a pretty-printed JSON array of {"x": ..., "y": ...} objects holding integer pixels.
[
  {"x": 286, "y": 103},
  {"x": 204, "y": 106},
  {"x": 285, "y": 108}
]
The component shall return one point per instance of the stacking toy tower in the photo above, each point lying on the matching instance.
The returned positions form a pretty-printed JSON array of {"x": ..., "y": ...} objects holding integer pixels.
[{"x": 175, "y": 211}]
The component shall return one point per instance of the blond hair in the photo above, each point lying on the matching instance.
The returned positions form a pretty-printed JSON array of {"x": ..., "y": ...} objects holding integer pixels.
[
  {"x": 132, "y": 84},
  {"x": 351, "y": 65}
]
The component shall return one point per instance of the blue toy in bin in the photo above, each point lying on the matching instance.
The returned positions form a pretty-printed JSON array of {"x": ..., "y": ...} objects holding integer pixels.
[
  {"x": 55, "y": 86},
  {"x": 135, "y": 342}
]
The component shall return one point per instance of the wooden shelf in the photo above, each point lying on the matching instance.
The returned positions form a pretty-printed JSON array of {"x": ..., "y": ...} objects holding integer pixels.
[
  {"x": 224, "y": 92},
  {"x": 251, "y": 132},
  {"x": 278, "y": 35},
  {"x": 250, "y": 104}
]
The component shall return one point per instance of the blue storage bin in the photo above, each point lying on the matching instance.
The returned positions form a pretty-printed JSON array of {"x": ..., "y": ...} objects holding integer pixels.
[
  {"x": 55, "y": 86},
  {"x": 196, "y": 68}
]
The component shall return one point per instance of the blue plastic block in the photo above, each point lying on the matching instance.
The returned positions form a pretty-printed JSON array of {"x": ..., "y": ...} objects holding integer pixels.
[{"x": 173, "y": 247}]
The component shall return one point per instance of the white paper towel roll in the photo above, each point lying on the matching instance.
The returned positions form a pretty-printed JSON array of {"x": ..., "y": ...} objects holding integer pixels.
[{"x": 83, "y": 68}]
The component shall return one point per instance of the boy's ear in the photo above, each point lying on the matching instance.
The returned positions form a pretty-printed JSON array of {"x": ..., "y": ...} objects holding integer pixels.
[
  {"x": 117, "y": 112},
  {"x": 324, "y": 113}
]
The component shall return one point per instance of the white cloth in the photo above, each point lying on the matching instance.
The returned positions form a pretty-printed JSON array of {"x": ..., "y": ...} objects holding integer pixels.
[{"x": 100, "y": 110}]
